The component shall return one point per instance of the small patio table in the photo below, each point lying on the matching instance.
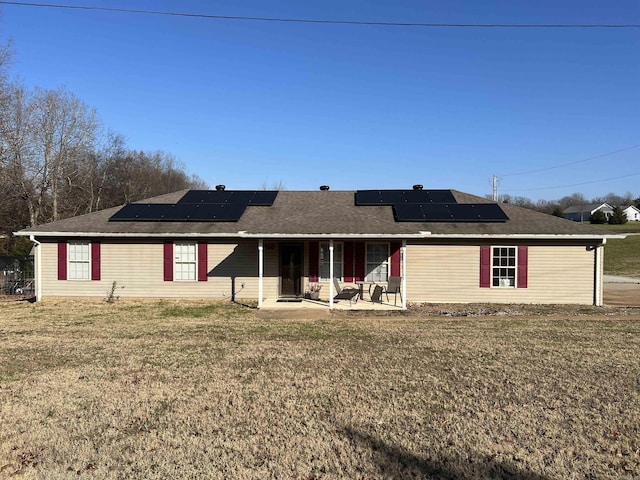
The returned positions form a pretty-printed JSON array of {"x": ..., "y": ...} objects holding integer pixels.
[{"x": 361, "y": 287}]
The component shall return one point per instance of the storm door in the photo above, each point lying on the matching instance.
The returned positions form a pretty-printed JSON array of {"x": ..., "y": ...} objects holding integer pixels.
[{"x": 291, "y": 269}]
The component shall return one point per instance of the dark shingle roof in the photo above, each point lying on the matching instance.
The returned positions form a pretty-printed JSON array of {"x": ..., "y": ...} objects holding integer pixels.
[{"x": 320, "y": 213}]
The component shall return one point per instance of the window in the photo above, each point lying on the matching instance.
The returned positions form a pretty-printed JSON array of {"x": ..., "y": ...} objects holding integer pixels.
[
  {"x": 503, "y": 270},
  {"x": 377, "y": 262},
  {"x": 185, "y": 261},
  {"x": 79, "y": 261},
  {"x": 325, "y": 259}
]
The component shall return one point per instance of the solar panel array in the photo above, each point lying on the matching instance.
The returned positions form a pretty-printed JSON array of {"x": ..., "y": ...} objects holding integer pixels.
[
  {"x": 430, "y": 206},
  {"x": 197, "y": 206}
]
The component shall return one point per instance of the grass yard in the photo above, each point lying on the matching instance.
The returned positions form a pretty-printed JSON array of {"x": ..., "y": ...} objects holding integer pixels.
[
  {"x": 629, "y": 227},
  {"x": 622, "y": 257},
  {"x": 194, "y": 390}
]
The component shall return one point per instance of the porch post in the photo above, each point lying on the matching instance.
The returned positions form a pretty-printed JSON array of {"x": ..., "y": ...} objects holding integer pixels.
[
  {"x": 403, "y": 253},
  {"x": 260, "y": 269},
  {"x": 331, "y": 295},
  {"x": 599, "y": 261}
]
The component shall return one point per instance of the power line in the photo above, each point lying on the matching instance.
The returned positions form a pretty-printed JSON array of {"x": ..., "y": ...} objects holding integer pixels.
[
  {"x": 331, "y": 22},
  {"x": 573, "y": 184},
  {"x": 570, "y": 163}
]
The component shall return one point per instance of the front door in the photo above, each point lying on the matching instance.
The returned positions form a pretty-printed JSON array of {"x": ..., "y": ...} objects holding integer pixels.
[{"x": 291, "y": 269}]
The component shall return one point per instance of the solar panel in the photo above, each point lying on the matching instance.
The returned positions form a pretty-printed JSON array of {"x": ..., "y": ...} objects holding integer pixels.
[
  {"x": 246, "y": 197},
  {"x": 263, "y": 198},
  {"x": 441, "y": 196},
  {"x": 443, "y": 212},
  {"x": 179, "y": 212},
  {"x": 367, "y": 197},
  {"x": 215, "y": 212},
  {"x": 393, "y": 197},
  {"x": 490, "y": 212},
  {"x": 139, "y": 212}
]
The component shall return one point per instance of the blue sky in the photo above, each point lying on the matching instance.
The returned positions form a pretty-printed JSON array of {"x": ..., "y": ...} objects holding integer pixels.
[{"x": 356, "y": 107}]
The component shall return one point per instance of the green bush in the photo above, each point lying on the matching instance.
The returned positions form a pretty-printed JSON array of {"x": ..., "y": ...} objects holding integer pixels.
[
  {"x": 618, "y": 217},
  {"x": 598, "y": 217}
]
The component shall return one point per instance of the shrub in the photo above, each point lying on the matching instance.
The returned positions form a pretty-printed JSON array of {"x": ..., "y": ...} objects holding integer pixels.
[
  {"x": 598, "y": 217},
  {"x": 618, "y": 217}
]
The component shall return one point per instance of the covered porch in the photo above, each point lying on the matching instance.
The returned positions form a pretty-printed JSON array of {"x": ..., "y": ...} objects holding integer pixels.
[{"x": 303, "y": 262}]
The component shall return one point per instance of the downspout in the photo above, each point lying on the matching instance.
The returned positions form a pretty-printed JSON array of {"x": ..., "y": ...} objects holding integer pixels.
[{"x": 37, "y": 268}]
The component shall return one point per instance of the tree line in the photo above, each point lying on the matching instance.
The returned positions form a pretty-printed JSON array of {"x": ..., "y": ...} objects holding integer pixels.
[{"x": 57, "y": 160}]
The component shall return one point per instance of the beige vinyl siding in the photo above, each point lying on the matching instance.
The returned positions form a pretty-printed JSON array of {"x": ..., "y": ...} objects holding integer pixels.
[
  {"x": 138, "y": 268},
  {"x": 451, "y": 273}
]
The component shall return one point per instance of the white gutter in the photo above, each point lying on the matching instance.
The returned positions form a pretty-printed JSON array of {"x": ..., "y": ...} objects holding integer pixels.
[
  {"x": 37, "y": 268},
  {"x": 128, "y": 234},
  {"x": 420, "y": 235},
  {"x": 543, "y": 236}
]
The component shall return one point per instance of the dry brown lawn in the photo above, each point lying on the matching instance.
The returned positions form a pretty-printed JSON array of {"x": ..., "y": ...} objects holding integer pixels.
[{"x": 197, "y": 390}]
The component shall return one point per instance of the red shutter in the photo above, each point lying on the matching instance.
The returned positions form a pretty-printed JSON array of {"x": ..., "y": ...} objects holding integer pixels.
[
  {"x": 523, "y": 266},
  {"x": 347, "y": 258},
  {"x": 314, "y": 259},
  {"x": 203, "y": 265},
  {"x": 168, "y": 261},
  {"x": 359, "y": 266},
  {"x": 95, "y": 260},
  {"x": 485, "y": 266},
  {"x": 395, "y": 259},
  {"x": 62, "y": 260}
]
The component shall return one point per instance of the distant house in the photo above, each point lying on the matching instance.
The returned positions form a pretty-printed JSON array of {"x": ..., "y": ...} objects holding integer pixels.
[
  {"x": 446, "y": 246},
  {"x": 581, "y": 213},
  {"x": 632, "y": 213}
]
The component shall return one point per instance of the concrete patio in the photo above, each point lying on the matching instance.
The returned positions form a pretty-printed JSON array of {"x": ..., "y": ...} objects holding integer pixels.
[{"x": 307, "y": 304}]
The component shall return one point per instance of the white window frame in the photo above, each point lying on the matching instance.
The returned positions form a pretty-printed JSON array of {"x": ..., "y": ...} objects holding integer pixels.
[
  {"x": 177, "y": 251},
  {"x": 369, "y": 274},
  {"x": 338, "y": 265},
  {"x": 73, "y": 260},
  {"x": 503, "y": 278}
]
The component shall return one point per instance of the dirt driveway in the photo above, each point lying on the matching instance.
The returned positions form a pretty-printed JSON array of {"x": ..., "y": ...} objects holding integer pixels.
[{"x": 622, "y": 294}]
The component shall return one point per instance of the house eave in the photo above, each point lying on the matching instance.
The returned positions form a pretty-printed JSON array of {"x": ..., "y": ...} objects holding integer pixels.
[
  {"x": 542, "y": 236},
  {"x": 303, "y": 236}
]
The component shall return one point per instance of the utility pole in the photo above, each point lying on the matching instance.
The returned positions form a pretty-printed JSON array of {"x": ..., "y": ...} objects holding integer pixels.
[{"x": 494, "y": 181}]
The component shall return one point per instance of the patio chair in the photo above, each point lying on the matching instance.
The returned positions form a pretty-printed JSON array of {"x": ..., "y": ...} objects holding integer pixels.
[
  {"x": 393, "y": 287},
  {"x": 376, "y": 296},
  {"x": 346, "y": 293}
]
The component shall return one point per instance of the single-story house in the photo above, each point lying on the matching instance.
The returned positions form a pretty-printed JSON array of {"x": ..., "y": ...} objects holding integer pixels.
[
  {"x": 582, "y": 213},
  {"x": 632, "y": 212},
  {"x": 446, "y": 245}
]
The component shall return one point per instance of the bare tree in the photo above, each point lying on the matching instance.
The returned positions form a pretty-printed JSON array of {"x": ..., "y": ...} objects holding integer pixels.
[
  {"x": 279, "y": 185},
  {"x": 573, "y": 199},
  {"x": 135, "y": 175},
  {"x": 64, "y": 129},
  {"x": 614, "y": 199},
  {"x": 19, "y": 171}
]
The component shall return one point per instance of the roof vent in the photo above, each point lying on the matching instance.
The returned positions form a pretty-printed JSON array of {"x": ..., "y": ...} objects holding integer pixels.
[
  {"x": 324, "y": 188},
  {"x": 417, "y": 187},
  {"x": 220, "y": 188}
]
